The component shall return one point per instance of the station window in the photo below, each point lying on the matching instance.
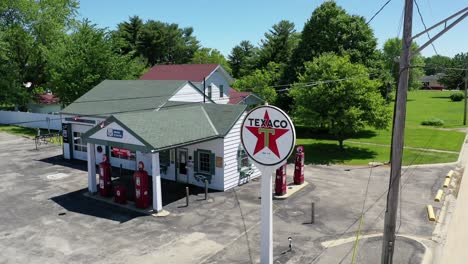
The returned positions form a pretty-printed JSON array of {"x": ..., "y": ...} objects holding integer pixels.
[
  {"x": 209, "y": 91},
  {"x": 242, "y": 159},
  {"x": 221, "y": 90},
  {"x": 204, "y": 162},
  {"x": 164, "y": 157},
  {"x": 78, "y": 143}
]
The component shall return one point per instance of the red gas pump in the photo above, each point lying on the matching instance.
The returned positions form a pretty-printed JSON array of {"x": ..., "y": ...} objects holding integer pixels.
[
  {"x": 105, "y": 181},
  {"x": 299, "y": 165},
  {"x": 141, "y": 186},
  {"x": 120, "y": 195},
  {"x": 280, "y": 182}
]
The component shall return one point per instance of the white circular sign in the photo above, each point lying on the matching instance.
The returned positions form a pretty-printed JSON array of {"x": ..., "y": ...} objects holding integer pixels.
[{"x": 268, "y": 135}]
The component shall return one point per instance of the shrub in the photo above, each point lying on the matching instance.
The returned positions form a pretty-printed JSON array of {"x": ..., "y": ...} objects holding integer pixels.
[
  {"x": 433, "y": 122},
  {"x": 456, "y": 97}
]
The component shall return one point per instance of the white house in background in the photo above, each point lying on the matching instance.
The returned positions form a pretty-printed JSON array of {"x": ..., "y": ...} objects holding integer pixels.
[{"x": 163, "y": 123}]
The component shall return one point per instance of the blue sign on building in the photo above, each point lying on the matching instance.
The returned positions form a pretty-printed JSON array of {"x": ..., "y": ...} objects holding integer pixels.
[{"x": 114, "y": 133}]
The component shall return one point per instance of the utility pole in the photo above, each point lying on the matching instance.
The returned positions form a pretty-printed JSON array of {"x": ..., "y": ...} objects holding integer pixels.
[
  {"x": 466, "y": 80},
  {"x": 388, "y": 245}
]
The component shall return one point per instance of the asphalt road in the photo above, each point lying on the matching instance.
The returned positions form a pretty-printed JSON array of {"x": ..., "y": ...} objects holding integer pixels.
[{"x": 45, "y": 218}]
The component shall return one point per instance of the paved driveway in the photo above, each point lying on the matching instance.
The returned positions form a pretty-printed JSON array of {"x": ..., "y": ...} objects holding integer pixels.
[{"x": 45, "y": 218}]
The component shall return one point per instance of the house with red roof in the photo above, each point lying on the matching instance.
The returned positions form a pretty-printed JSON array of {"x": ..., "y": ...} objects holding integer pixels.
[
  {"x": 45, "y": 103},
  {"x": 211, "y": 79}
]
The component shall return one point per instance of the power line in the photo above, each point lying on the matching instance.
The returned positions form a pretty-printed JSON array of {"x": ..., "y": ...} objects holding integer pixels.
[
  {"x": 425, "y": 28},
  {"x": 376, "y": 13}
]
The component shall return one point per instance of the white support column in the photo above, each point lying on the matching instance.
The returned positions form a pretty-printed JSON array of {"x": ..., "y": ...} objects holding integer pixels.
[
  {"x": 91, "y": 168},
  {"x": 266, "y": 214},
  {"x": 157, "y": 197}
]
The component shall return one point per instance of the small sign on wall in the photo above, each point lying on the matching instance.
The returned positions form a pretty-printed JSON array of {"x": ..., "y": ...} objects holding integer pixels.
[
  {"x": 116, "y": 133},
  {"x": 219, "y": 162}
]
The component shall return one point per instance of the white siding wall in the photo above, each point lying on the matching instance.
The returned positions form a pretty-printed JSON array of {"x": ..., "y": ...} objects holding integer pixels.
[
  {"x": 188, "y": 93},
  {"x": 232, "y": 142},
  {"x": 79, "y": 127},
  {"x": 216, "y": 147},
  {"x": 215, "y": 80}
]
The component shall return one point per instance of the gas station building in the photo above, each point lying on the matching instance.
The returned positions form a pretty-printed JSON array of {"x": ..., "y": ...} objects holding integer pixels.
[{"x": 168, "y": 125}]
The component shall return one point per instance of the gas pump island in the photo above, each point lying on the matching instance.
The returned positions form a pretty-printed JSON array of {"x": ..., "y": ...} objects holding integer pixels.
[{"x": 268, "y": 138}]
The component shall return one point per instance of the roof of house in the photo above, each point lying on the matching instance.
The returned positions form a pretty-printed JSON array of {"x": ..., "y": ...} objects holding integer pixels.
[
  {"x": 117, "y": 96},
  {"x": 177, "y": 126},
  {"x": 47, "y": 98},
  {"x": 236, "y": 97},
  {"x": 189, "y": 72},
  {"x": 431, "y": 78}
]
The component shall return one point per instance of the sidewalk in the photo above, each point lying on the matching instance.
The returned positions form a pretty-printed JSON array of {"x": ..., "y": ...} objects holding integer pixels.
[{"x": 454, "y": 251}]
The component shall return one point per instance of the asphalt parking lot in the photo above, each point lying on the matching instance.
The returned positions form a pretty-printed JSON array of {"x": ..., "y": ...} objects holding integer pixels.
[{"x": 45, "y": 218}]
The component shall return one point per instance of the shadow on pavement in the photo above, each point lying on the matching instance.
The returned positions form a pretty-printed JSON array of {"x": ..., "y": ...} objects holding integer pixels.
[
  {"x": 59, "y": 160},
  {"x": 78, "y": 203}
]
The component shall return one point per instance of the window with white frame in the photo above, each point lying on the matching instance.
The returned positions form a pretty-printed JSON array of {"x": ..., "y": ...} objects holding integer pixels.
[
  {"x": 221, "y": 90},
  {"x": 204, "y": 159},
  {"x": 78, "y": 143}
]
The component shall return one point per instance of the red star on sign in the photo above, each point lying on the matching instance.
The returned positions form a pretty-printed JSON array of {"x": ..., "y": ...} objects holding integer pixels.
[{"x": 267, "y": 135}]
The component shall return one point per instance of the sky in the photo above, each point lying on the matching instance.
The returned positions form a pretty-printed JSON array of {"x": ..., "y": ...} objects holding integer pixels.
[{"x": 222, "y": 24}]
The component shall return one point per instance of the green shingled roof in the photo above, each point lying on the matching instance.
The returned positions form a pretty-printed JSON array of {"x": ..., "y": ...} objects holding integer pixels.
[
  {"x": 117, "y": 96},
  {"x": 181, "y": 125}
]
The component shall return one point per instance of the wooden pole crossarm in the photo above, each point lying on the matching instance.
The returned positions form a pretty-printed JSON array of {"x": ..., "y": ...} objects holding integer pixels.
[
  {"x": 447, "y": 28},
  {"x": 441, "y": 22}
]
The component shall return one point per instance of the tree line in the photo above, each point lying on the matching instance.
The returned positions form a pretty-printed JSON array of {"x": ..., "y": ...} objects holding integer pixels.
[{"x": 43, "y": 46}]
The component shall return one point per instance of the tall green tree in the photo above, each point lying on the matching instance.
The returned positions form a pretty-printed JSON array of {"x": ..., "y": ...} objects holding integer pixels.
[
  {"x": 455, "y": 76},
  {"x": 126, "y": 35},
  {"x": 242, "y": 59},
  {"x": 30, "y": 30},
  {"x": 85, "y": 58},
  {"x": 392, "y": 51},
  {"x": 278, "y": 44},
  {"x": 332, "y": 29},
  {"x": 261, "y": 82},
  {"x": 210, "y": 56},
  {"x": 160, "y": 42},
  {"x": 344, "y": 107},
  {"x": 436, "y": 64}
]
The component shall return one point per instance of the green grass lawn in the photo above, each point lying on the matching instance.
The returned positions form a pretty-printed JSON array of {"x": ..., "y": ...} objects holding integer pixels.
[
  {"x": 27, "y": 132},
  {"x": 421, "y": 105},
  {"x": 320, "y": 151}
]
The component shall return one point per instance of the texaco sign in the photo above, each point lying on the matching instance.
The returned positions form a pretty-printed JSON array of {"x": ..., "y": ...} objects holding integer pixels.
[{"x": 268, "y": 135}]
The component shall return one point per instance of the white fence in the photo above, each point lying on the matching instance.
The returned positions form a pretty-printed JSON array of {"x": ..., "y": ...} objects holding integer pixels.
[{"x": 33, "y": 120}]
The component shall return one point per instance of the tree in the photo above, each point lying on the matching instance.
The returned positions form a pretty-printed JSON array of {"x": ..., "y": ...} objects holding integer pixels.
[
  {"x": 160, "y": 42},
  {"x": 210, "y": 56},
  {"x": 242, "y": 59},
  {"x": 84, "y": 59},
  {"x": 126, "y": 35},
  {"x": 436, "y": 64},
  {"x": 392, "y": 51},
  {"x": 331, "y": 29},
  {"x": 30, "y": 30},
  {"x": 455, "y": 78},
  {"x": 344, "y": 107},
  {"x": 278, "y": 44},
  {"x": 261, "y": 82}
]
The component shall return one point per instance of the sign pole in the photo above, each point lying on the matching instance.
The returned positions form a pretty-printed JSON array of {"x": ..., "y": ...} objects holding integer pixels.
[
  {"x": 268, "y": 138},
  {"x": 266, "y": 228}
]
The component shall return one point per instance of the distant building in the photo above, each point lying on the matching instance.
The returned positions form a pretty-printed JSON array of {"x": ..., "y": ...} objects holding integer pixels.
[
  {"x": 431, "y": 82},
  {"x": 45, "y": 103},
  {"x": 246, "y": 98}
]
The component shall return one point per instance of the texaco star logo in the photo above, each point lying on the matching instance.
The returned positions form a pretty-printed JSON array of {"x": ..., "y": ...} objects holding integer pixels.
[{"x": 266, "y": 134}]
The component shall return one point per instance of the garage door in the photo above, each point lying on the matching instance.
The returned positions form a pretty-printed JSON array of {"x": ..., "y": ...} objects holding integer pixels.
[{"x": 79, "y": 147}]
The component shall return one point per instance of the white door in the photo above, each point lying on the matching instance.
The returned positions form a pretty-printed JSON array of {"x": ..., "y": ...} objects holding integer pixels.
[
  {"x": 79, "y": 147},
  {"x": 182, "y": 165}
]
